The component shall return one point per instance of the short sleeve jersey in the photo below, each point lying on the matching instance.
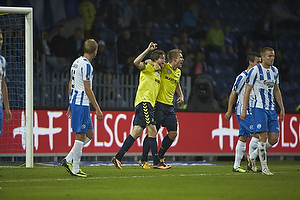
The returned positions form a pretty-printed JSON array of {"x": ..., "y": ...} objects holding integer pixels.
[
  {"x": 81, "y": 71},
  {"x": 149, "y": 85},
  {"x": 263, "y": 81},
  {"x": 239, "y": 88},
  {"x": 169, "y": 81},
  {"x": 2, "y": 75}
]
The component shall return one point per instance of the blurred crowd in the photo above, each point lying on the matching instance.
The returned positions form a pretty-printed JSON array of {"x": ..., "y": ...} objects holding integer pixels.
[{"x": 213, "y": 35}]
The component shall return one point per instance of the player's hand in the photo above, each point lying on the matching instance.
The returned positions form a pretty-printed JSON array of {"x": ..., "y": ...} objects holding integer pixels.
[
  {"x": 152, "y": 46},
  {"x": 227, "y": 116},
  {"x": 99, "y": 115},
  {"x": 69, "y": 113},
  {"x": 243, "y": 116},
  {"x": 180, "y": 100},
  {"x": 8, "y": 115}
]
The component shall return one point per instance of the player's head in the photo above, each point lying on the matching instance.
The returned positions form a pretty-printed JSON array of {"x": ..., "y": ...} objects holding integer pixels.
[
  {"x": 159, "y": 57},
  {"x": 253, "y": 59},
  {"x": 175, "y": 57},
  {"x": 90, "y": 47},
  {"x": 1, "y": 39},
  {"x": 268, "y": 56}
]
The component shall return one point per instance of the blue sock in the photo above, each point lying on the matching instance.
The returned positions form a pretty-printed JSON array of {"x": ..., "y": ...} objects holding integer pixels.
[
  {"x": 153, "y": 146},
  {"x": 125, "y": 147},
  {"x": 146, "y": 149},
  {"x": 165, "y": 145}
]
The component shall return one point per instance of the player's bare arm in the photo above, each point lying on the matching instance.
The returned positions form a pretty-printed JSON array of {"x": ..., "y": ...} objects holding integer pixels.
[
  {"x": 5, "y": 101},
  {"x": 91, "y": 96},
  {"x": 245, "y": 102},
  {"x": 231, "y": 101},
  {"x": 69, "y": 115},
  {"x": 178, "y": 90},
  {"x": 138, "y": 60},
  {"x": 278, "y": 97}
]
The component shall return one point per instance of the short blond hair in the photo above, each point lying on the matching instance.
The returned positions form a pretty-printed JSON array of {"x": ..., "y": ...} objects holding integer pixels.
[
  {"x": 264, "y": 50},
  {"x": 90, "y": 45},
  {"x": 173, "y": 54}
]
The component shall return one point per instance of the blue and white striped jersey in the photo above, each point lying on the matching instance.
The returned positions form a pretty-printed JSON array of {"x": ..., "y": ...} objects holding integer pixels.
[
  {"x": 81, "y": 70},
  {"x": 239, "y": 87},
  {"x": 2, "y": 75},
  {"x": 263, "y": 81}
]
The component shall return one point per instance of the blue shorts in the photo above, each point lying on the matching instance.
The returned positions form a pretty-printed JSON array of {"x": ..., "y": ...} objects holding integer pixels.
[
  {"x": 81, "y": 118},
  {"x": 1, "y": 120},
  {"x": 246, "y": 126},
  {"x": 165, "y": 116},
  {"x": 144, "y": 115},
  {"x": 265, "y": 120}
]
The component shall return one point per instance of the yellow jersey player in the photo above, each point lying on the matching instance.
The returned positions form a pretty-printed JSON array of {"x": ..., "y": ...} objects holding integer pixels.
[
  {"x": 165, "y": 114},
  {"x": 146, "y": 96}
]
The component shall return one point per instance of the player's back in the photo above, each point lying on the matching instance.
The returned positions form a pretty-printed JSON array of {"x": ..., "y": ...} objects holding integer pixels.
[{"x": 81, "y": 71}]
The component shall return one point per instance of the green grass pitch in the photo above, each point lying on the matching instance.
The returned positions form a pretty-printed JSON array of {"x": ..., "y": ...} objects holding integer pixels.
[{"x": 133, "y": 182}]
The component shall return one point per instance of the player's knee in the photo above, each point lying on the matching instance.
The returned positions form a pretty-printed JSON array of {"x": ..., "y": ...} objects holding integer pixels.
[{"x": 172, "y": 135}]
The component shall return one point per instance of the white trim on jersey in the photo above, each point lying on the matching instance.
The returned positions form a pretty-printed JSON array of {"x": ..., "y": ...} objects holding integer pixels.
[
  {"x": 263, "y": 81},
  {"x": 81, "y": 70}
]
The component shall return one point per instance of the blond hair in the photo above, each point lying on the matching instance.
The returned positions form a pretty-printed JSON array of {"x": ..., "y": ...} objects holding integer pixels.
[
  {"x": 90, "y": 45},
  {"x": 173, "y": 54}
]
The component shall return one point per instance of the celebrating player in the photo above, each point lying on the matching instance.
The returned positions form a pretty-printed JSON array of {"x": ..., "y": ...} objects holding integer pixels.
[
  {"x": 165, "y": 114},
  {"x": 144, "y": 102}
]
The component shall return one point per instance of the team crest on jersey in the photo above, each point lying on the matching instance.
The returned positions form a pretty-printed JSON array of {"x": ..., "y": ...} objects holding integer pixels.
[
  {"x": 169, "y": 71},
  {"x": 156, "y": 74},
  {"x": 258, "y": 126}
]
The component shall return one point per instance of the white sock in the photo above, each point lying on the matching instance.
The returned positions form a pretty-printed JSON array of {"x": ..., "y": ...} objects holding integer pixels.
[
  {"x": 262, "y": 154},
  {"x": 268, "y": 145},
  {"x": 239, "y": 153},
  {"x": 86, "y": 140},
  {"x": 253, "y": 144},
  {"x": 69, "y": 157},
  {"x": 77, "y": 152}
]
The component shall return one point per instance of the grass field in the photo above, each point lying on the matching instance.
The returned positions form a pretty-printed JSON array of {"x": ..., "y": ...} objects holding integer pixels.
[{"x": 133, "y": 182}]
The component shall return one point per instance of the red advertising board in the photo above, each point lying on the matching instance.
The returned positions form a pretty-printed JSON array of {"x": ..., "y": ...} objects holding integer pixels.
[{"x": 198, "y": 133}]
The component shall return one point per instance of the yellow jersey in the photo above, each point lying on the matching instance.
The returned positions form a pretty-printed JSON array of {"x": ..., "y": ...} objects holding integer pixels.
[
  {"x": 169, "y": 80},
  {"x": 149, "y": 85}
]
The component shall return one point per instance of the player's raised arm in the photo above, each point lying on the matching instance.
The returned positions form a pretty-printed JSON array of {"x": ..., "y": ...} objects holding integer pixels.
[{"x": 138, "y": 60}]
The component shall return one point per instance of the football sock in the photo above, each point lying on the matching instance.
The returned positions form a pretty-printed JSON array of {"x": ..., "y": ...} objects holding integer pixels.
[
  {"x": 253, "y": 144},
  {"x": 239, "y": 153},
  {"x": 165, "y": 145},
  {"x": 77, "y": 152},
  {"x": 69, "y": 157},
  {"x": 86, "y": 140},
  {"x": 125, "y": 147},
  {"x": 146, "y": 149},
  {"x": 268, "y": 145},
  {"x": 262, "y": 154},
  {"x": 153, "y": 146}
]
